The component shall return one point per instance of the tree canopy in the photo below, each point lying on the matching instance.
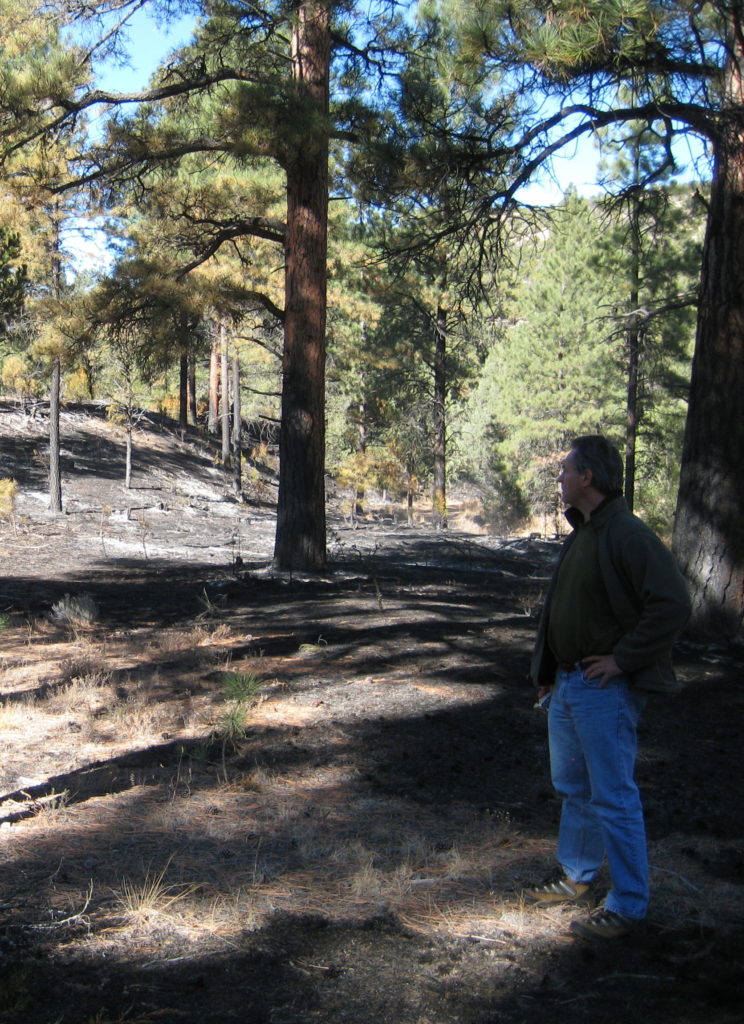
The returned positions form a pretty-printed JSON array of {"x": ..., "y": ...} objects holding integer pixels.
[{"x": 427, "y": 123}]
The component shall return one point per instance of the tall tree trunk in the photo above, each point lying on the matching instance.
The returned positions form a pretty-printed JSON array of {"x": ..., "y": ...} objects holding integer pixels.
[
  {"x": 709, "y": 524},
  {"x": 225, "y": 395},
  {"x": 301, "y": 526},
  {"x": 183, "y": 386},
  {"x": 214, "y": 382},
  {"x": 191, "y": 390},
  {"x": 128, "y": 456},
  {"x": 237, "y": 435},
  {"x": 361, "y": 491},
  {"x": 439, "y": 490},
  {"x": 358, "y": 504},
  {"x": 55, "y": 475},
  {"x": 635, "y": 335},
  {"x": 55, "y": 387}
]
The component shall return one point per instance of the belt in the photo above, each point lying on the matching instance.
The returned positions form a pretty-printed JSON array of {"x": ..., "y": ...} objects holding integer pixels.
[{"x": 570, "y": 666}]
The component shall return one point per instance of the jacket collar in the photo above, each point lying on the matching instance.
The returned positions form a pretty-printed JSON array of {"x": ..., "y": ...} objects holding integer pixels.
[{"x": 600, "y": 513}]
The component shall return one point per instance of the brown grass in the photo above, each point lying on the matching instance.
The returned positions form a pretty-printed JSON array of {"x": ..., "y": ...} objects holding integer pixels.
[{"x": 236, "y": 842}]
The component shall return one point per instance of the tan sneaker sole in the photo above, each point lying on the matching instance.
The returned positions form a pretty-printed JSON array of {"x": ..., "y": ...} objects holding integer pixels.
[{"x": 558, "y": 892}]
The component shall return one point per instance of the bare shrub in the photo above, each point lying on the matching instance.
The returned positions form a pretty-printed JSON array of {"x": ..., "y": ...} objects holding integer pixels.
[{"x": 77, "y": 609}]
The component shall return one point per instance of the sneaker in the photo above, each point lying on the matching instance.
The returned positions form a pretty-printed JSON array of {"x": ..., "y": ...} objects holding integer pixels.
[
  {"x": 604, "y": 924},
  {"x": 558, "y": 889}
]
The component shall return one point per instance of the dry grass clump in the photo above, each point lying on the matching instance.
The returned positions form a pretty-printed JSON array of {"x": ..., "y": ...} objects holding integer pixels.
[
  {"x": 85, "y": 692},
  {"x": 150, "y": 895},
  {"x": 135, "y": 719},
  {"x": 89, "y": 669},
  {"x": 51, "y": 810},
  {"x": 15, "y": 714},
  {"x": 202, "y": 640}
]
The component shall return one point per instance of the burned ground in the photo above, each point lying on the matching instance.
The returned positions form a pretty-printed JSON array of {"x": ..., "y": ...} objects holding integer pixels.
[{"x": 348, "y": 843}]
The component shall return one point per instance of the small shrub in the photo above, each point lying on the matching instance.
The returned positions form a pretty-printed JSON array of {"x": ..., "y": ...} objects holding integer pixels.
[
  {"x": 77, "y": 386},
  {"x": 8, "y": 493},
  {"x": 77, "y": 609},
  {"x": 18, "y": 378},
  {"x": 240, "y": 689},
  {"x": 241, "y": 686},
  {"x": 89, "y": 673}
]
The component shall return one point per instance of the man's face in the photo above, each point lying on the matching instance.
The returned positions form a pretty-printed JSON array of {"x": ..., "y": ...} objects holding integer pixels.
[{"x": 573, "y": 484}]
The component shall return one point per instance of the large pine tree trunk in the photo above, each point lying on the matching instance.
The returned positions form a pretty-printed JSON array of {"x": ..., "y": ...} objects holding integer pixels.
[
  {"x": 183, "y": 387},
  {"x": 128, "y": 455},
  {"x": 439, "y": 495},
  {"x": 214, "y": 383},
  {"x": 224, "y": 395},
  {"x": 55, "y": 474},
  {"x": 237, "y": 434},
  {"x": 55, "y": 388},
  {"x": 191, "y": 390},
  {"x": 709, "y": 525},
  {"x": 634, "y": 338},
  {"x": 301, "y": 528}
]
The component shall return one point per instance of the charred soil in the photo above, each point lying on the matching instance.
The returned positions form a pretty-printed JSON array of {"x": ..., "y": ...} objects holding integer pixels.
[{"x": 231, "y": 794}]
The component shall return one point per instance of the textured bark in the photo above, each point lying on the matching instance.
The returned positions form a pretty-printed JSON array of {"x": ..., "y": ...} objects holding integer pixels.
[
  {"x": 183, "y": 386},
  {"x": 301, "y": 527},
  {"x": 128, "y": 455},
  {"x": 635, "y": 335},
  {"x": 214, "y": 384},
  {"x": 709, "y": 526},
  {"x": 191, "y": 390},
  {"x": 358, "y": 506},
  {"x": 55, "y": 387},
  {"x": 439, "y": 495},
  {"x": 224, "y": 395},
  {"x": 55, "y": 475},
  {"x": 237, "y": 433}
]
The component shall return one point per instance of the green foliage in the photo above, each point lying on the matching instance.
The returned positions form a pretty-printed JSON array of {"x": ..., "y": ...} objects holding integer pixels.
[
  {"x": 13, "y": 278},
  {"x": 241, "y": 687},
  {"x": 240, "y": 691},
  {"x": 557, "y": 364},
  {"x": 555, "y": 370}
]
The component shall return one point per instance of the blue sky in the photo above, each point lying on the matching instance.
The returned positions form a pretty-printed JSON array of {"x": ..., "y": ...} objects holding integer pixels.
[{"x": 150, "y": 39}]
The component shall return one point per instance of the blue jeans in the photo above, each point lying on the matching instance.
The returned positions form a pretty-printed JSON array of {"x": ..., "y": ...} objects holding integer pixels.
[{"x": 593, "y": 747}]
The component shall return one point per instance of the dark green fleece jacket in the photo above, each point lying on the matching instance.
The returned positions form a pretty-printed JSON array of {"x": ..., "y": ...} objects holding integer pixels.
[{"x": 647, "y": 594}]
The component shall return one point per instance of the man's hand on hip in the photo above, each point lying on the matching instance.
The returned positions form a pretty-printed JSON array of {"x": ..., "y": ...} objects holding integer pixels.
[{"x": 602, "y": 667}]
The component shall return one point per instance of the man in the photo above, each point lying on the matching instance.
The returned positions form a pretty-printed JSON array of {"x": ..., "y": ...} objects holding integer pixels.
[{"x": 614, "y": 607}]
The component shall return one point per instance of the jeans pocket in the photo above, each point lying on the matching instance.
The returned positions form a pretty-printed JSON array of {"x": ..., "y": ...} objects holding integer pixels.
[{"x": 591, "y": 684}]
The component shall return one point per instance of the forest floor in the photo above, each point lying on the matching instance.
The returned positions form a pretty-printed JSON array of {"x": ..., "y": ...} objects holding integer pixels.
[{"x": 348, "y": 843}]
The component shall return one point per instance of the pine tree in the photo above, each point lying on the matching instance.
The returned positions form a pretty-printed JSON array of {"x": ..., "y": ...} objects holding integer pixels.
[
  {"x": 554, "y": 369},
  {"x": 685, "y": 63},
  {"x": 13, "y": 278},
  {"x": 268, "y": 72}
]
